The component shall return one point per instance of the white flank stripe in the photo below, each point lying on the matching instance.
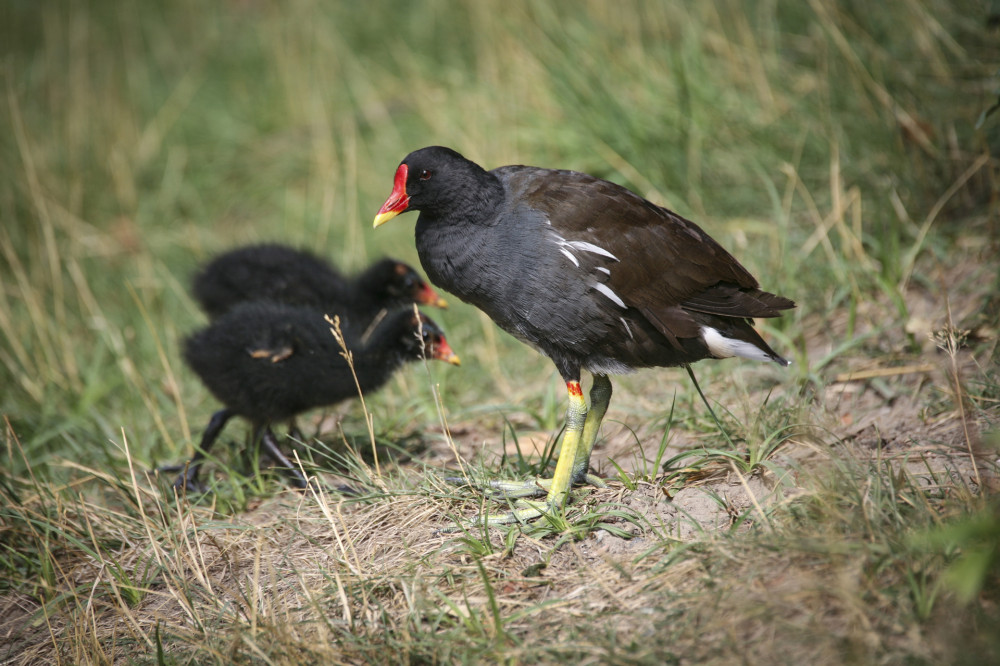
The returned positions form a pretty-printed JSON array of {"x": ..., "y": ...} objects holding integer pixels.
[
  {"x": 625, "y": 324},
  {"x": 606, "y": 290},
  {"x": 570, "y": 255},
  {"x": 590, "y": 247},
  {"x": 723, "y": 347}
]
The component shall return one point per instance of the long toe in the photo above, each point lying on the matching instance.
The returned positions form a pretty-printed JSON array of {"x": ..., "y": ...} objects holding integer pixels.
[
  {"x": 595, "y": 481},
  {"x": 187, "y": 479},
  {"x": 523, "y": 511},
  {"x": 302, "y": 483},
  {"x": 344, "y": 489},
  {"x": 500, "y": 490},
  {"x": 190, "y": 486}
]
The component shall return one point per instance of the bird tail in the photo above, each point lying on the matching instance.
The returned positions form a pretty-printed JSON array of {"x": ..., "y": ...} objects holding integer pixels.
[{"x": 738, "y": 338}]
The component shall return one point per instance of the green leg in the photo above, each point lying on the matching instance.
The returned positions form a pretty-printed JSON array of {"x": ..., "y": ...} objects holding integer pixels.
[
  {"x": 600, "y": 397},
  {"x": 576, "y": 418},
  {"x": 582, "y": 427}
]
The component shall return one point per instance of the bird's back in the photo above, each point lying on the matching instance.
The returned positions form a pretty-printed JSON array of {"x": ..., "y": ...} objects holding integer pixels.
[
  {"x": 268, "y": 272},
  {"x": 269, "y": 361},
  {"x": 594, "y": 275}
]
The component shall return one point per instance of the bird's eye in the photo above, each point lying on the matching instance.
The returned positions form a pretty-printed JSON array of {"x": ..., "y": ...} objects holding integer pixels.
[{"x": 425, "y": 174}]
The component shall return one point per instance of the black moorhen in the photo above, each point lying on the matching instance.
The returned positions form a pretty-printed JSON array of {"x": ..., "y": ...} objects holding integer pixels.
[
  {"x": 283, "y": 274},
  {"x": 279, "y": 273},
  {"x": 583, "y": 270},
  {"x": 268, "y": 362}
]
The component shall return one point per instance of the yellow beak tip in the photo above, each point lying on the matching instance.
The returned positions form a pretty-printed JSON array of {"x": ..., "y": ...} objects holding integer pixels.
[{"x": 382, "y": 218}]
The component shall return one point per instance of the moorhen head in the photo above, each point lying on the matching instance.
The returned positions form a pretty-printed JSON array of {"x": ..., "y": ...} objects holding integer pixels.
[
  {"x": 270, "y": 361},
  {"x": 283, "y": 274},
  {"x": 589, "y": 273}
]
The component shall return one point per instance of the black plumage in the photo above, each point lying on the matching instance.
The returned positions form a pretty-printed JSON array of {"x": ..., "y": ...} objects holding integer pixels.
[
  {"x": 283, "y": 274},
  {"x": 584, "y": 270},
  {"x": 268, "y": 362}
]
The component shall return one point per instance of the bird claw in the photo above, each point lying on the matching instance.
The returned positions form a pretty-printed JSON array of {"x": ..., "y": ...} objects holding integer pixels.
[
  {"x": 186, "y": 481},
  {"x": 523, "y": 509},
  {"x": 185, "y": 485},
  {"x": 522, "y": 512},
  {"x": 594, "y": 480},
  {"x": 501, "y": 490},
  {"x": 514, "y": 490}
]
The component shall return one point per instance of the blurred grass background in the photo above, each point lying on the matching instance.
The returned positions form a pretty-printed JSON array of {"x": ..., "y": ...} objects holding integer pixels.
[
  {"x": 141, "y": 138},
  {"x": 839, "y": 149}
]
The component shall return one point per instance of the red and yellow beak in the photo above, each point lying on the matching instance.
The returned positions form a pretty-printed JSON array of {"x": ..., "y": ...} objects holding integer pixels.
[
  {"x": 441, "y": 351},
  {"x": 398, "y": 201},
  {"x": 427, "y": 296}
]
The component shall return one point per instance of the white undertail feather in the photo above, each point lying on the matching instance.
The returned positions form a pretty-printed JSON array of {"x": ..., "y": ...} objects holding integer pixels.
[{"x": 723, "y": 347}]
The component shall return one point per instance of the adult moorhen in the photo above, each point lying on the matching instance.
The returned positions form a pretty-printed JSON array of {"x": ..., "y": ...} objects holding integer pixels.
[
  {"x": 585, "y": 271},
  {"x": 268, "y": 362},
  {"x": 285, "y": 275}
]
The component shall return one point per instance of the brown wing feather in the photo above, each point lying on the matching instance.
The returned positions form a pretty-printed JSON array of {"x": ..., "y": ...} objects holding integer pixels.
[
  {"x": 729, "y": 300},
  {"x": 666, "y": 262}
]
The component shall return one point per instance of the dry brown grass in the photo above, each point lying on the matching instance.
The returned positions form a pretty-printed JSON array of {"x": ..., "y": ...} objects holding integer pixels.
[{"x": 802, "y": 559}]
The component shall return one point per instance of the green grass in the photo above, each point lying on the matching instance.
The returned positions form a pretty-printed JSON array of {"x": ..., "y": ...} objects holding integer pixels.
[{"x": 832, "y": 147}]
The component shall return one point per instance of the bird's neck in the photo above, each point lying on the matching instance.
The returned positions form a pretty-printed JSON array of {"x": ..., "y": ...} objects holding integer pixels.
[
  {"x": 374, "y": 367},
  {"x": 382, "y": 355},
  {"x": 369, "y": 283},
  {"x": 468, "y": 201},
  {"x": 456, "y": 242}
]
